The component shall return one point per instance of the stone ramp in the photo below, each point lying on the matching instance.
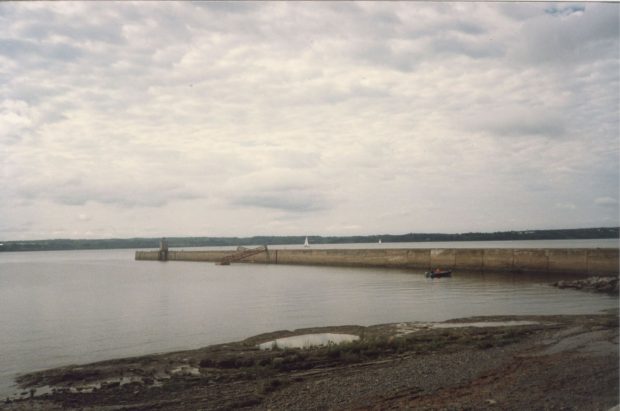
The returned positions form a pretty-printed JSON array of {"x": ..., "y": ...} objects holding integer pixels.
[{"x": 241, "y": 254}]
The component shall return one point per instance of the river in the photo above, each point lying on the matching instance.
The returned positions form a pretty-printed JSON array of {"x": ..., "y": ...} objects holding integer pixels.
[{"x": 67, "y": 307}]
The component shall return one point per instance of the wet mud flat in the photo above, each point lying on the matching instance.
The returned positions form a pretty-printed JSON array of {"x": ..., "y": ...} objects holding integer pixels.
[{"x": 507, "y": 363}]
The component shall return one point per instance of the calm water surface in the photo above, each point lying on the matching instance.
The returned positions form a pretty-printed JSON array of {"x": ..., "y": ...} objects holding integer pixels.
[{"x": 68, "y": 307}]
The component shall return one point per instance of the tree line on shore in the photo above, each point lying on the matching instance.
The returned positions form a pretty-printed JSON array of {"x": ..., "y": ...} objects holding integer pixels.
[{"x": 176, "y": 242}]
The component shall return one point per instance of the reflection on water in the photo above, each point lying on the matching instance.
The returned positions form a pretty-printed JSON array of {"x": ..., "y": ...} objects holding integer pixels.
[
  {"x": 59, "y": 308},
  {"x": 308, "y": 340}
]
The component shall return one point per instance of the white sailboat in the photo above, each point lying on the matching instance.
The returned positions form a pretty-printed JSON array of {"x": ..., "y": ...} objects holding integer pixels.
[
  {"x": 306, "y": 243},
  {"x": 379, "y": 241}
]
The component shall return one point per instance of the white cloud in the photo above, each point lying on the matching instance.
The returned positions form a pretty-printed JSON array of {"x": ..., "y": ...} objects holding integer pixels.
[
  {"x": 606, "y": 202},
  {"x": 569, "y": 35},
  {"x": 287, "y": 118},
  {"x": 566, "y": 206}
]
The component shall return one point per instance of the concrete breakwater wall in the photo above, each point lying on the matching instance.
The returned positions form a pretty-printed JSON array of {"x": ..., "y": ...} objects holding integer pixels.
[{"x": 599, "y": 261}]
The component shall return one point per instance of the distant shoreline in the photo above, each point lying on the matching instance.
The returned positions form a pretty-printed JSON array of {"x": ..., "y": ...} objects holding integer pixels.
[{"x": 178, "y": 242}]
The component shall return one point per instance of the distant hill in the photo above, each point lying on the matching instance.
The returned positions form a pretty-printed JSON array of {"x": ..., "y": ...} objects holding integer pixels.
[{"x": 175, "y": 242}]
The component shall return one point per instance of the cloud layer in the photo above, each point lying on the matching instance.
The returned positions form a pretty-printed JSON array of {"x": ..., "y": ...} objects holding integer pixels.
[{"x": 123, "y": 119}]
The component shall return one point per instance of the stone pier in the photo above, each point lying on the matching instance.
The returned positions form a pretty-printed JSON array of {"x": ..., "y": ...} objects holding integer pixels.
[{"x": 596, "y": 261}]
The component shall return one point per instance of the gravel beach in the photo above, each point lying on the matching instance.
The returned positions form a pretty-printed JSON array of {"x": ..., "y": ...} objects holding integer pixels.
[{"x": 512, "y": 363}]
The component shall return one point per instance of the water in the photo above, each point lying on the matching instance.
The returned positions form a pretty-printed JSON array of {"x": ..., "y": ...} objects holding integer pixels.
[{"x": 68, "y": 307}]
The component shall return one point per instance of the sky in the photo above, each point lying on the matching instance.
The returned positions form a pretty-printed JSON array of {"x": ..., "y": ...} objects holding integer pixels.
[{"x": 313, "y": 118}]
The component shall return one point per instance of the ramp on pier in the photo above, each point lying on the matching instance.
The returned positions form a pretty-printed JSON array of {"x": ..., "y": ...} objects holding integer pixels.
[{"x": 241, "y": 254}]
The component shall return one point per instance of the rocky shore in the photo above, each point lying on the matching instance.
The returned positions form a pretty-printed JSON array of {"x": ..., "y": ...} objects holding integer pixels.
[
  {"x": 507, "y": 363},
  {"x": 608, "y": 285}
]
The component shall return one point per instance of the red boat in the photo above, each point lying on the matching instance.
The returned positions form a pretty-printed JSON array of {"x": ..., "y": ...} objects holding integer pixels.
[{"x": 438, "y": 274}]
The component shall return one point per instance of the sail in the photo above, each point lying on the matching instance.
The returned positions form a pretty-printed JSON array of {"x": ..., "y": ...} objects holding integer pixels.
[{"x": 306, "y": 243}]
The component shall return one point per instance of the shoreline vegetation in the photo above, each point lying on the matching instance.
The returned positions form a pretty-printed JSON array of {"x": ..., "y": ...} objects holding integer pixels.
[
  {"x": 494, "y": 362},
  {"x": 120, "y": 243}
]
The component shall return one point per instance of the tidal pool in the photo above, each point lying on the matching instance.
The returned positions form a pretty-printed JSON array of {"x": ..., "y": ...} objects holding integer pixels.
[{"x": 308, "y": 340}]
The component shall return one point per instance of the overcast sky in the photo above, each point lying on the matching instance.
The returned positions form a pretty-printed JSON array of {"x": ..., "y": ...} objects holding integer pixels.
[{"x": 239, "y": 119}]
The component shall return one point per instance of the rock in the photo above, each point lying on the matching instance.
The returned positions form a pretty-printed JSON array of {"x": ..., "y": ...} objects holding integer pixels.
[
  {"x": 110, "y": 384},
  {"x": 598, "y": 284}
]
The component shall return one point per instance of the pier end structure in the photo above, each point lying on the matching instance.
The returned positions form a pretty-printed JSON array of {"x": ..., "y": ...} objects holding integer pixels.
[
  {"x": 162, "y": 254},
  {"x": 584, "y": 261}
]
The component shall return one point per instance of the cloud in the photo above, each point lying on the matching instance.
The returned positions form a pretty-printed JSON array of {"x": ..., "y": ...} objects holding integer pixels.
[
  {"x": 227, "y": 7},
  {"x": 291, "y": 200},
  {"x": 14, "y": 48},
  {"x": 356, "y": 117},
  {"x": 563, "y": 10},
  {"x": 78, "y": 192},
  {"x": 458, "y": 45},
  {"x": 286, "y": 189},
  {"x": 569, "y": 35},
  {"x": 15, "y": 117},
  {"x": 517, "y": 121},
  {"x": 606, "y": 202},
  {"x": 566, "y": 206}
]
